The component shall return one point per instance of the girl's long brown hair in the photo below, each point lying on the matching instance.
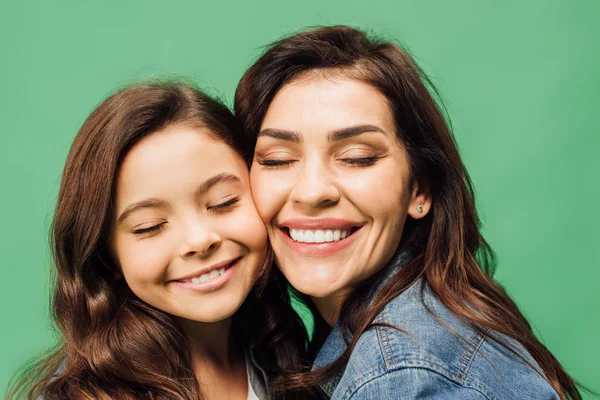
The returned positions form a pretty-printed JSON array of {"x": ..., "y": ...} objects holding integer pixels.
[
  {"x": 449, "y": 251},
  {"x": 113, "y": 345}
]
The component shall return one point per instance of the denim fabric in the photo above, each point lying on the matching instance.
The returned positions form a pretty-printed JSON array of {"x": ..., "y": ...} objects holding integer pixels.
[{"x": 429, "y": 360}]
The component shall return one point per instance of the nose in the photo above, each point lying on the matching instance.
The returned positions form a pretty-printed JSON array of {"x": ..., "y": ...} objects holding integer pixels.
[
  {"x": 315, "y": 186},
  {"x": 199, "y": 240}
]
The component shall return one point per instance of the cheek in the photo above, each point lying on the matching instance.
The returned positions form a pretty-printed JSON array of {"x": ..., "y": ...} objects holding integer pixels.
[
  {"x": 245, "y": 227},
  {"x": 269, "y": 192},
  {"x": 142, "y": 262},
  {"x": 379, "y": 192}
]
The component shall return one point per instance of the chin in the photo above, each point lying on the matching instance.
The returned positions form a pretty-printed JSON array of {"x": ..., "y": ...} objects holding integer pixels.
[
  {"x": 215, "y": 315},
  {"x": 218, "y": 311},
  {"x": 315, "y": 286}
]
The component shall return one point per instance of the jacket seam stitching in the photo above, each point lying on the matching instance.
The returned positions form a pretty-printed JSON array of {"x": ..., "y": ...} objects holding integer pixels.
[
  {"x": 468, "y": 356},
  {"x": 474, "y": 386},
  {"x": 361, "y": 380},
  {"x": 384, "y": 341}
]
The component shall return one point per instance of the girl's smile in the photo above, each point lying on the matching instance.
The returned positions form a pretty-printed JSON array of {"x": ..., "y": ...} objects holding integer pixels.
[
  {"x": 210, "y": 278},
  {"x": 188, "y": 238}
]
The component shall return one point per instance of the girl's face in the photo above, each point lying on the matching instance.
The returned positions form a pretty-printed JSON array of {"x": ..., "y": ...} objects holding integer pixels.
[
  {"x": 332, "y": 183},
  {"x": 186, "y": 233}
]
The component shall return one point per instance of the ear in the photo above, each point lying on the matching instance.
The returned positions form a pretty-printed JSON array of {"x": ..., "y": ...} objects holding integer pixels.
[{"x": 420, "y": 200}]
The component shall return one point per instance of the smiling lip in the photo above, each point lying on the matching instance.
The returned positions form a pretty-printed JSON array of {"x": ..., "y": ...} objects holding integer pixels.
[
  {"x": 202, "y": 271},
  {"x": 323, "y": 223},
  {"x": 319, "y": 249},
  {"x": 212, "y": 284}
]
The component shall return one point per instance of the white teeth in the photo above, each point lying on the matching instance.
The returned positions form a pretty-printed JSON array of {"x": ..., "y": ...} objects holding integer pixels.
[
  {"x": 208, "y": 276},
  {"x": 309, "y": 237},
  {"x": 328, "y": 236},
  {"x": 318, "y": 236},
  {"x": 336, "y": 235}
]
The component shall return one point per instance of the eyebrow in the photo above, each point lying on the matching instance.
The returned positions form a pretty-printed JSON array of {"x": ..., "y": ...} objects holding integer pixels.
[
  {"x": 147, "y": 203},
  {"x": 335, "y": 136},
  {"x": 281, "y": 134},
  {"x": 220, "y": 178},
  {"x": 156, "y": 203},
  {"x": 352, "y": 131}
]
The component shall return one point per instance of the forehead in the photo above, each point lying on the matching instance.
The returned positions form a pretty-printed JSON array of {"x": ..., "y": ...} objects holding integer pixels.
[
  {"x": 173, "y": 161},
  {"x": 327, "y": 102}
]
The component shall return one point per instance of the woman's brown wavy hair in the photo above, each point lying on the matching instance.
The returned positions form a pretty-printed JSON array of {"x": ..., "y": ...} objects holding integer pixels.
[
  {"x": 449, "y": 251},
  {"x": 113, "y": 345}
]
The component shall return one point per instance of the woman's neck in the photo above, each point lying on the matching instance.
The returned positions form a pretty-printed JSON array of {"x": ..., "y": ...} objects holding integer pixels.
[{"x": 329, "y": 307}]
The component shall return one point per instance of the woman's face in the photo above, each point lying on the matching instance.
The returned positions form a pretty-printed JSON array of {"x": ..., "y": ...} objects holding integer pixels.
[
  {"x": 186, "y": 233},
  {"x": 332, "y": 183}
]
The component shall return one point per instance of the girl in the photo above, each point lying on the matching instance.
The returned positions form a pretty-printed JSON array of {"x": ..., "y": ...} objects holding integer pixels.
[
  {"x": 371, "y": 214},
  {"x": 157, "y": 246}
]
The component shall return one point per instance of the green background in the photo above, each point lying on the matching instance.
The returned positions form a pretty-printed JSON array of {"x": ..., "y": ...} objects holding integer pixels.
[{"x": 520, "y": 79}]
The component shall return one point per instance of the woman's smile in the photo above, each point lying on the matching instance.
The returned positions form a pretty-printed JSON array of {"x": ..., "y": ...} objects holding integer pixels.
[
  {"x": 331, "y": 183},
  {"x": 319, "y": 237}
]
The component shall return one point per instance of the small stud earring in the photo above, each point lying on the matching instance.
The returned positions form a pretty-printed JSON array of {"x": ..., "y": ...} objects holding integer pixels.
[{"x": 420, "y": 208}]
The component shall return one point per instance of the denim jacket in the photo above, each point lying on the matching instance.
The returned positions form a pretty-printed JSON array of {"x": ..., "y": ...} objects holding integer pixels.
[{"x": 428, "y": 360}]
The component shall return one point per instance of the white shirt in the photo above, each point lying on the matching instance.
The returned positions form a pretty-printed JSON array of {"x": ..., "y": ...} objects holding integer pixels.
[{"x": 255, "y": 383}]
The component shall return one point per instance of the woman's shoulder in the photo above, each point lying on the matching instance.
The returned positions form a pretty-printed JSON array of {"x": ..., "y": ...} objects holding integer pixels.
[{"x": 418, "y": 342}]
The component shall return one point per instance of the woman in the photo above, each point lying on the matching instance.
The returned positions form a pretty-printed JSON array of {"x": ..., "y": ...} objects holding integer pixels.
[
  {"x": 157, "y": 246},
  {"x": 371, "y": 214}
]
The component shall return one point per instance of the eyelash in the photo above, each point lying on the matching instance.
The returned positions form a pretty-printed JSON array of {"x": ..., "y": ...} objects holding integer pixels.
[
  {"x": 275, "y": 163},
  {"x": 224, "y": 206},
  {"x": 159, "y": 227},
  {"x": 362, "y": 161},
  {"x": 358, "y": 162},
  {"x": 152, "y": 229}
]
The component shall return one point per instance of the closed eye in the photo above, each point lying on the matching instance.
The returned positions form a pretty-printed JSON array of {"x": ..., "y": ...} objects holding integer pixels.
[
  {"x": 152, "y": 229},
  {"x": 275, "y": 163},
  {"x": 225, "y": 205},
  {"x": 361, "y": 161}
]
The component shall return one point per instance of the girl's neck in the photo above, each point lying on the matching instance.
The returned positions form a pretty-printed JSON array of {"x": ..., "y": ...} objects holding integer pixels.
[
  {"x": 211, "y": 342},
  {"x": 218, "y": 359}
]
